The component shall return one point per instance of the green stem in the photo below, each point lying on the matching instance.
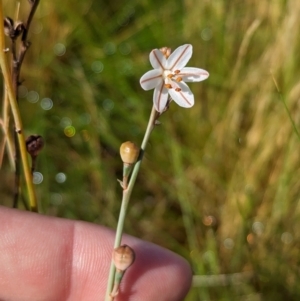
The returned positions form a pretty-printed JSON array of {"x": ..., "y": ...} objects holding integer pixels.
[
  {"x": 126, "y": 197},
  {"x": 17, "y": 117},
  {"x": 7, "y": 140},
  {"x": 285, "y": 106},
  {"x": 289, "y": 115}
]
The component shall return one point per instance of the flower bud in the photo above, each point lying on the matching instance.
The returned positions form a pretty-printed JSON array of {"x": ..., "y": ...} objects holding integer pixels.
[
  {"x": 123, "y": 257},
  {"x": 34, "y": 144},
  {"x": 166, "y": 51},
  {"x": 129, "y": 152}
]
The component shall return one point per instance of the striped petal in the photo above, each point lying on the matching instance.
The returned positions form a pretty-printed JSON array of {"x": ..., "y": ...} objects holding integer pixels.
[
  {"x": 185, "y": 97},
  {"x": 151, "y": 79},
  {"x": 160, "y": 97},
  {"x": 189, "y": 74},
  {"x": 157, "y": 59},
  {"x": 180, "y": 57}
]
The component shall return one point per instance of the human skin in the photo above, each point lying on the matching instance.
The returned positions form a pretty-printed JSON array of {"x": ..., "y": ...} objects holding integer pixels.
[{"x": 52, "y": 259}]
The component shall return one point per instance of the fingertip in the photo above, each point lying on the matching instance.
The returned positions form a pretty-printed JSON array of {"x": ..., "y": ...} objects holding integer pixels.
[
  {"x": 71, "y": 259},
  {"x": 157, "y": 274}
]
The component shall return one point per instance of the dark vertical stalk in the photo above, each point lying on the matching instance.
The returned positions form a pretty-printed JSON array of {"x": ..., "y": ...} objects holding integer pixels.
[
  {"x": 17, "y": 60},
  {"x": 17, "y": 148}
]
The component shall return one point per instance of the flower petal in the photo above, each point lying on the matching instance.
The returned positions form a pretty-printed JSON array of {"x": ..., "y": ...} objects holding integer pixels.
[
  {"x": 185, "y": 97},
  {"x": 151, "y": 79},
  {"x": 157, "y": 59},
  {"x": 189, "y": 74},
  {"x": 180, "y": 57},
  {"x": 160, "y": 97}
]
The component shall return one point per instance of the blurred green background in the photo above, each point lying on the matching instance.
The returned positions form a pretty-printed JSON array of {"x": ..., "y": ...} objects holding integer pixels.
[{"x": 220, "y": 182}]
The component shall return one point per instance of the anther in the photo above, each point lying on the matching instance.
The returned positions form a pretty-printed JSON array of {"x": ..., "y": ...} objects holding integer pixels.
[
  {"x": 179, "y": 79},
  {"x": 177, "y": 89},
  {"x": 168, "y": 86},
  {"x": 177, "y": 71}
]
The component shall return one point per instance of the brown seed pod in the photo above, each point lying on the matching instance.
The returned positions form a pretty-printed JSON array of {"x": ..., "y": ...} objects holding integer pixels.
[
  {"x": 19, "y": 28},
  {"x": 34, "y": 144},
  {"x": 12, "y": 29},
  {"x": 129, "y": 152},
  {"x": 8, "y": 26},
  {"x": 123, "y": 257}
]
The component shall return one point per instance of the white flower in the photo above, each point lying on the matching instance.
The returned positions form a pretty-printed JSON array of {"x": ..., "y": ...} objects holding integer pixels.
[{"x": 169, "y": 76}]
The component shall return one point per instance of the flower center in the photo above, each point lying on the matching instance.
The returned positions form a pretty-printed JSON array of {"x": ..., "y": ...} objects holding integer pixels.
[
  {"x": 171, "y": 79},
  {"x": 167, "y": 74}
]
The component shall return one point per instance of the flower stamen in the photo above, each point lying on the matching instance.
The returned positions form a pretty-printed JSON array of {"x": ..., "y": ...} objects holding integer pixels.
[
  {"x": 179, "y": 79},
  {"x": 168, "y": 86},
  {"x": 177, "y": 89}
]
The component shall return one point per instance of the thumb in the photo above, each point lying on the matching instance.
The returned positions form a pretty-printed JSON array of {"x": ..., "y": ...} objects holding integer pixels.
[{"x": 47, "y": 258}]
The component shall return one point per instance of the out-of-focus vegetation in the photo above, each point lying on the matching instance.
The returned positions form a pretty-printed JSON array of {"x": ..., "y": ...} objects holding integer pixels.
[{"x": 220, "y": 182}]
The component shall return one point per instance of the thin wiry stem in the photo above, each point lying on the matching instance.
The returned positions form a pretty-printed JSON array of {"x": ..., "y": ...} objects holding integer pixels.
[
  {"x": 285, "y": 106},
  {"x": 25, "y": 44},
  {"x": 7, "y": 140},
  {"x": 125, "y": 200}
]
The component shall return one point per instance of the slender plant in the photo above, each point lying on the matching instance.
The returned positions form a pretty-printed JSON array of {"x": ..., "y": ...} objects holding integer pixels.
[{"x": 168, "y": 79}]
